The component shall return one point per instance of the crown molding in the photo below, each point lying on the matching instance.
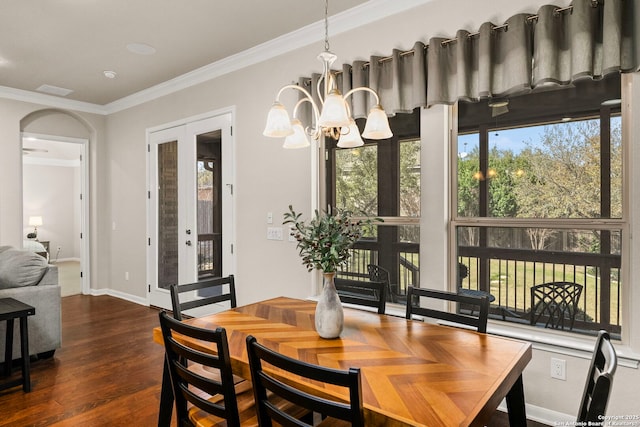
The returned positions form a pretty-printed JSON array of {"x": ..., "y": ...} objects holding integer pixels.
[
  {"x": 371, "y": 11},
  {"x": 50, "y": 100}
]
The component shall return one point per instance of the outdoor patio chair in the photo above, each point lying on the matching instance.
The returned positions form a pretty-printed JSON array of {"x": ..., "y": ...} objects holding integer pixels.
[{"x": 555, "y": 304}]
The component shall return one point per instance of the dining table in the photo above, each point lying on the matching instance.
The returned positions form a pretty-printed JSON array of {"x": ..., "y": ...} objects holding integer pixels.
[{"x": 413, "y": 373}]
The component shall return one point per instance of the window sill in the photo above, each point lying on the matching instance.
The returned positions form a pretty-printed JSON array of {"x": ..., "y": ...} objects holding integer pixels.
[{"x": 561, "y": 342}]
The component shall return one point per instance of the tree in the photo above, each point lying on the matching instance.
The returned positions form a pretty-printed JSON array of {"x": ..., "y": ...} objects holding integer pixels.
[
  {"x": 357, "y": 179},
  {"x": 562, "y": 175}
]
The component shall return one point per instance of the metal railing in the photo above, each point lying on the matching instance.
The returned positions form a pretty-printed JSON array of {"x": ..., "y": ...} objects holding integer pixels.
[
  {"x": 509, "y": 275},
  {"x": 209, "y": 246},
  {"x": 404, "y": 272}
]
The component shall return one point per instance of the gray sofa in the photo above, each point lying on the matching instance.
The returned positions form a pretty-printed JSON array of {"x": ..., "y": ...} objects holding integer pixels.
[{"x": 26, "y": 277}]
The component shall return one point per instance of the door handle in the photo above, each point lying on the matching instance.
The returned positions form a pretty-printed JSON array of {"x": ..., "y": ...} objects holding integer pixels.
[{"x": 188, "y": 243}]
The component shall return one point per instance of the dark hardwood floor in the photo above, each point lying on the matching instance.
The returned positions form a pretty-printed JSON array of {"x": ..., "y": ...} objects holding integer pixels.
[{"x": 107, "y": 373}]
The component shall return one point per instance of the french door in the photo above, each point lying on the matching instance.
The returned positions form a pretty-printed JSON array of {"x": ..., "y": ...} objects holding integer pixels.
[{"x": 190, "y": 190}]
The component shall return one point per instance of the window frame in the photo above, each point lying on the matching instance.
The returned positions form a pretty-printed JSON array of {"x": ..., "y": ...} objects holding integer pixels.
[
  {"x": 541, "y": 336},
  {"x": 405, "y": 127}
]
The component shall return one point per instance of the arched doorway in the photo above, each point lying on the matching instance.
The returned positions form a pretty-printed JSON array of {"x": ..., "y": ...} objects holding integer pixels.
[{"x": 56, "y": 189}]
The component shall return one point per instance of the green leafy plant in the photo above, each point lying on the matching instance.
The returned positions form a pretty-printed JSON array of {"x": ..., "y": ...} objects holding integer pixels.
[{"x": 324, "y": 241}]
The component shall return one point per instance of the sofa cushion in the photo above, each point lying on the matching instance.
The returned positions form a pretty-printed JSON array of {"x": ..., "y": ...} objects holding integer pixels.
[{"x": 20, "y": 268}]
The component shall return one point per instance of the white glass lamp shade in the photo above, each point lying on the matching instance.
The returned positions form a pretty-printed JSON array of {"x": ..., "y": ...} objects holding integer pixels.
[
  {"x": 35, "y": 221},
  {"x": 278, "y": 122},
  {"x": 298, "y": 139},
  {"x": 334, "y": 111},
  {"x": 350, "y": 137},
  {"x": 377, "y": 126}
]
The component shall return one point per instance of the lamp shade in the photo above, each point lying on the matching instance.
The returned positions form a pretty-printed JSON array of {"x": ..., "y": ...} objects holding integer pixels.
[
  {"x": 35, "y": 221},
  {"x": 334, "y": 111},
  {"x": 298, "y": 139},
  {"x": 350, "y": 136},
  {"x": 278, "y": 122},
  {"x": 377, "y": 126}
]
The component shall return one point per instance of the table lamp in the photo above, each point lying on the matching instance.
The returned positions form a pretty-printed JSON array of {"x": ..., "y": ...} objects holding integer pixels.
[{"x": 34, "y": 221}]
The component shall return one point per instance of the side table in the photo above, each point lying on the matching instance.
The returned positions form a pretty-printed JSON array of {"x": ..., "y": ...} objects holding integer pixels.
[{"x": 11, "y": 309}]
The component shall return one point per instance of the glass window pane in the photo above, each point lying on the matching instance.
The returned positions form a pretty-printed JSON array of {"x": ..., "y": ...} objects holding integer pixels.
[
  {"x": 469, "y": 175},
  {"x": 399, "y": 256},
  {"x": 550, "y": 171},
  {"x": 357, "y": 179},
  {"x": 410, "y": 178}
]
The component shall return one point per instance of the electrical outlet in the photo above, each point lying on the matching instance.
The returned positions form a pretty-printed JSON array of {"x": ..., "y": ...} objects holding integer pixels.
[{"x": 559, "y": 369}]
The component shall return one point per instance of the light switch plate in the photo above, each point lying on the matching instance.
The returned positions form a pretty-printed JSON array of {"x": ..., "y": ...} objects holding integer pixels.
[{"x": 274, "y": 233}]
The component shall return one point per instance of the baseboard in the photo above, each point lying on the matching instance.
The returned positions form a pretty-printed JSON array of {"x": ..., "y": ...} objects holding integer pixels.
[
  {"x": 543, "y": 415},
  {"x": 121, "y": 295},
  {"x": 64, "y": 260}
]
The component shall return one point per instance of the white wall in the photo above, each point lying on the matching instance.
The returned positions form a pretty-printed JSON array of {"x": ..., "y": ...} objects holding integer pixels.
[
  {"x": 52, "y": 193},
  {"x": 269, "y": 178}
]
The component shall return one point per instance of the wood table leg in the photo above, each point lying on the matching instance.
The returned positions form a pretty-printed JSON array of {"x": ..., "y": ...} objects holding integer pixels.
[
  {"x": 166, "y": 398},
  {"x": 515, "y": 404},
  {"x": 24, "y": 351},
  {"x": 8, "y": 350}
]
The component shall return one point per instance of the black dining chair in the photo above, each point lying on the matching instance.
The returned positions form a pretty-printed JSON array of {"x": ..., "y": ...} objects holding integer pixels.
[
  {"x": 475, "y": 303},
  {"x": 599, "y": 380},
  {"x": 363, "y": 292},
  {"x": 214, "y": 400},
  {"x": 210, "y": 291},
  {"x": 266, "y": 386},
  {"x": 555, "y": 304}
]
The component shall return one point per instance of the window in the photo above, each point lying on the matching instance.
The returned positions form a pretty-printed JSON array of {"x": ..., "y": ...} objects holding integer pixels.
[
  {"x": 539, "y": 200},
  {"x": 382, "y": 178}
]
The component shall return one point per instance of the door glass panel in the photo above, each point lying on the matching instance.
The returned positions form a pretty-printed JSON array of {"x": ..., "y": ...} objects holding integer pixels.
[
  {"x": 209, "y": 205},
  {"x": 167, "y": 214}
]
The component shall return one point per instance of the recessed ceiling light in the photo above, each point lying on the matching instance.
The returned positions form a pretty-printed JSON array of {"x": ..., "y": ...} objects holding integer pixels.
[
  {"x": 54, "y": 90},
  {"x": 110, "y": 74},
  {"x": 141, "y": 48}
]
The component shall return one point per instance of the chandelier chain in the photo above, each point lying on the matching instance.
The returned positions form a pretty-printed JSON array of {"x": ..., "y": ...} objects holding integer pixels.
[{"x": 326, "y": 25}]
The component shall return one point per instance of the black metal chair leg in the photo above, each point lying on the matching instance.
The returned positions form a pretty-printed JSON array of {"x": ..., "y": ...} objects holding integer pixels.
[{"x": 166, "y": 398}]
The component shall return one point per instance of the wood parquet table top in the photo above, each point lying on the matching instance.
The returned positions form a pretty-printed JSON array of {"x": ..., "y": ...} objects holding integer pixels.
[{"x": 413, "y": 373}]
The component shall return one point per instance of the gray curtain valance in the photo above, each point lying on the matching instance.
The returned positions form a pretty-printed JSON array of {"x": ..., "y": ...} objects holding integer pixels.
[{"x": 588, "y": 39}]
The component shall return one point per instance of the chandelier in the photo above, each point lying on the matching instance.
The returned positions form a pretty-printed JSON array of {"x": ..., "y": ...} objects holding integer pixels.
[{"x": 332, "y": 118}]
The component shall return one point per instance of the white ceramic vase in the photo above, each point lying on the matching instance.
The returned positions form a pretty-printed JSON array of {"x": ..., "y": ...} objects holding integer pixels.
[{"x": 329, "y": 314}]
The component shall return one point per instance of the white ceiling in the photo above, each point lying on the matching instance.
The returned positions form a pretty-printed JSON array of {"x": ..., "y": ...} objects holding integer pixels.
[{"x": 70, "y": 43}]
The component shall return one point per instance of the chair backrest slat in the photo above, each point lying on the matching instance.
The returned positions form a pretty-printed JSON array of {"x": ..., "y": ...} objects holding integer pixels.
[
  {"x": 214, "y": 285},
  {"x": 596, "y": 392},
  {"x": 475, "y": 303},
  {"x": 265, "y": 384}
]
